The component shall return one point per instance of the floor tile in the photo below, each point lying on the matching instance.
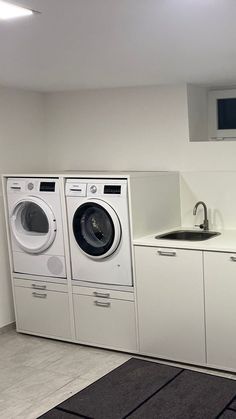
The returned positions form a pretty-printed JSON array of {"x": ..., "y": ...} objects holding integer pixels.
[
  {"x": 35, "y": 385},
  {"x": 13, "y": 408},
  {"x": 53, "y": 399}
]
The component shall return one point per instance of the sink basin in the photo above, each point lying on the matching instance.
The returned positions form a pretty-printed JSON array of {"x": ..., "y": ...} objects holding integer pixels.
[{"x": 189, "y": 235}]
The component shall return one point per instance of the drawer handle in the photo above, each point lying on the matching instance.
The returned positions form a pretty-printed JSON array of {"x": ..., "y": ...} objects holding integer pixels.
[
  {"x": 101, "y": 304},
  {"x": 233, "y": 258},
  {"x": 101, "y": 294},
  {"x": 38, "y": 295},
  {"x": 39, "y": 287},
  {"x": 166, "y": 253}
]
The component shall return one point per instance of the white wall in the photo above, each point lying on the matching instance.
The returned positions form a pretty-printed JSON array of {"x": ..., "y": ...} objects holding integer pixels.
[
  {"x": 217, "y": 190},
  {"x": 129, "y": 128},
  {"x": 144, "y": 129},
  {"x": 22, "y": 137},
  {"x": 122, "y": 129}
]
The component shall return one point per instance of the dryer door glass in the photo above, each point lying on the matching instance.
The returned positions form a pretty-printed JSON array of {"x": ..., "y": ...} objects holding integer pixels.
[
  {"x": 33, "y": 225},
  {"x": 94, "y": 230},
  {"x": 34, "y": 219}
]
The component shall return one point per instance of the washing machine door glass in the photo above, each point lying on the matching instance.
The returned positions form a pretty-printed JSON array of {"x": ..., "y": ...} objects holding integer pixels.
[
  {"x": 96, "y": 229},
  {"x": 33, "y": 225}
]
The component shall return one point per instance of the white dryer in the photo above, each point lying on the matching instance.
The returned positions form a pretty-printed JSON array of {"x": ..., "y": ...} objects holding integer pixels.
[
  {"x": 99, "y": 231},
  {"x": 35, "y": 224}
]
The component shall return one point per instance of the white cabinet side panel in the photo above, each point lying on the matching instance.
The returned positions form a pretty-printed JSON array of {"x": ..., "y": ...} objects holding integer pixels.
[
  {"x": 155, "y": 203},
  {"x": 197, "y": 113}
]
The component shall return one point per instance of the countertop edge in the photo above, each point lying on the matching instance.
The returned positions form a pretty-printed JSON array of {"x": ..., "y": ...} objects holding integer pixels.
[{"x": 225, "y": 242}]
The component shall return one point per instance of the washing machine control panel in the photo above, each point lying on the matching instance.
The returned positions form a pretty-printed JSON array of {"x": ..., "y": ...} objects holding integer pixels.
[
  {"x": 112, "y": 189},
  {"x": 96, "y": 187},
  {"x": 104, "y": 189}
]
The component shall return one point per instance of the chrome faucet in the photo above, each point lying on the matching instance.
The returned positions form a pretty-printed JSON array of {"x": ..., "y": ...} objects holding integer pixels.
[{"x": 205, "y": 224}]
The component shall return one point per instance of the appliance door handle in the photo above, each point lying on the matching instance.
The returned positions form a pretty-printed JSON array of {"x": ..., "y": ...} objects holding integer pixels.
[
  {"x": 101, "y": 294},
  {"x": 102, "y": 304},
  {"x": 233, "y": 258},
  {"x": 38, "y": 295},
  {"x": 166, "y": 253}
]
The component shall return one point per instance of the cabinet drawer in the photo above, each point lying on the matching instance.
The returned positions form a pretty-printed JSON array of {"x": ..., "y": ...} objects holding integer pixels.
[
  {"x": 107, "y": 322},
  {"x": 39, "y": 285},
  {"x": 103, "y": 293},
  {"x": 42, "y": 312}
]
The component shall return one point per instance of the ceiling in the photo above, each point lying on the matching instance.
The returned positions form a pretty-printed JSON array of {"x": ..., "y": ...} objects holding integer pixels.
[{"x": 76, "y": 44}]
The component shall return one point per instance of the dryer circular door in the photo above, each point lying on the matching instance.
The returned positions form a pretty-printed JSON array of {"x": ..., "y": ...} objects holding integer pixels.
[
  {"x": 33, "y": 225},
  {"x": 96, "y": 229}
]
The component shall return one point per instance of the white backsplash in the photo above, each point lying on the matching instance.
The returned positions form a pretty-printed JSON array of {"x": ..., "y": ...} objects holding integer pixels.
[{"x": 217, "y": 189}]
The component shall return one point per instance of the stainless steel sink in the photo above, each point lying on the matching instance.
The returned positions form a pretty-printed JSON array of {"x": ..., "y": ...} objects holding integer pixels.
[{"x": 189, "y": 235}]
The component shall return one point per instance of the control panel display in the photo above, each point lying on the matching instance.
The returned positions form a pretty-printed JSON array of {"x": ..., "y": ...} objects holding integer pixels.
[
  {"x": 47, "y": 187},
  {"x": 112, "y": 189}
]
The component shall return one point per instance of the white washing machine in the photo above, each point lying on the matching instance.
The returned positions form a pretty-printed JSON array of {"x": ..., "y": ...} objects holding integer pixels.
[
  {"x": 35, "y": 224},
  {"x": 99, "y": 231}
]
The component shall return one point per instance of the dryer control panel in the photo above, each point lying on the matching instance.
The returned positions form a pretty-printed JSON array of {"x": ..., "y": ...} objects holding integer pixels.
[
  {"x": 32, "y": 185},
  {"x": 46, "y": 186}
]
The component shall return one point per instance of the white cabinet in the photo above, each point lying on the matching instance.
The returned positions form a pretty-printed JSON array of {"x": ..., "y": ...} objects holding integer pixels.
[
  {"x": 42, "y": 308},
  {"x": 104, "y": 317},
  {"x": 170, "y": 301},
  {"x": 220, "y": 284}
]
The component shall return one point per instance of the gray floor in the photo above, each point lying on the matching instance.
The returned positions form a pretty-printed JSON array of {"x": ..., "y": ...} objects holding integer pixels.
[{"x": 36, "y": 374}]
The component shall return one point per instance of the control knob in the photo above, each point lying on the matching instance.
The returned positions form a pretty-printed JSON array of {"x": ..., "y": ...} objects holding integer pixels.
[
  {"x": 93, "y": 189},
  {"x": 30, "y": 186}
]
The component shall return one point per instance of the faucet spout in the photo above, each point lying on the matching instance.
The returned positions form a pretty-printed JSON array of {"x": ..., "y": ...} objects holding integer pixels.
[{"x": 205, "y": 224}]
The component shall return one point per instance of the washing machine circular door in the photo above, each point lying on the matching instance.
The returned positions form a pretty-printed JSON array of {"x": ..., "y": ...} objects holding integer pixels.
[
  {"x": 96, "y": 229},
  {"x": 33, "y": 225}
]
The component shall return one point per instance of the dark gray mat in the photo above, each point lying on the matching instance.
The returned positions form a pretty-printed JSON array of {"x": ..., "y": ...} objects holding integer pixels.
[
  {"x": 122, "y": 390},
  {"x": 233, "y": 405},
  {"x": 228, "y": 414},
  {"x": 190, "y": 395},
  {"x": 146, "y": 390},
  {"x": 59, "y": 414}
]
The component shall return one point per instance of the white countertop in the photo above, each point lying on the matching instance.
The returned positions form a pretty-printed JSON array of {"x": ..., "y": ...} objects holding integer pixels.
[{"x": 225, "y": 242}]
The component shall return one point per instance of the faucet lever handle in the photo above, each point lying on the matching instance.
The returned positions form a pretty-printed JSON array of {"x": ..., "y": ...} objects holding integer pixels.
[{"x": 199, "y": 225}]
